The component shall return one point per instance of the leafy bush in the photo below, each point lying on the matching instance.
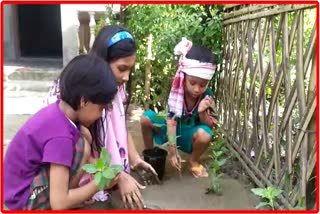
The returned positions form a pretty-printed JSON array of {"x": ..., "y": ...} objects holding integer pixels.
[{"x": 168, "y": 24}]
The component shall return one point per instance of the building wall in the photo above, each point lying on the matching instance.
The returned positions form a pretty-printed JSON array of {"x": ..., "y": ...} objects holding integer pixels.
[
  {"x": 69, "y": 28},
  {"x": 70, "y": 24},
  {"x": 10, "y": 52}
]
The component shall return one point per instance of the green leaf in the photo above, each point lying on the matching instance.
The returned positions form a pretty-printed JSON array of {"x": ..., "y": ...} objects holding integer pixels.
[
  {"x": 117, "y": 168},
  {"x": 107, "y": 181},
  {"x": 273, "y": 192},
  {"x": 219, "y": 176},
  {"x": 218, "y": 153},
  {"x": 158, "y": 125},
  {"x": 102, "y": 183},
  {"x": 108, "y": 173},
  {"x": 262, "y": 204},
  {"x": 160, "y": 117},
  {"x": 301, "y": 202},
  {"x": 99, "y": 164},
  {"x": 259, "y": 192},
  {"x": 216, "y": 164},
  {"x": 97, "y": 178},
  {"x": 222, "y": 162},
  {"x": 105, "y": 157},
  {"x": 89, "y": 168}
]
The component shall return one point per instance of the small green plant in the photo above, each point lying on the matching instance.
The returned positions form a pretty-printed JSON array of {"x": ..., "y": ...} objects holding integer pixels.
[
  {"x": 269, "y": 193},
  {"x": 171, "y": 139},
  {"x": 218, "y": 152},
  {"x": 300, "y": 205},
  {"x": 103, "y": 172}
]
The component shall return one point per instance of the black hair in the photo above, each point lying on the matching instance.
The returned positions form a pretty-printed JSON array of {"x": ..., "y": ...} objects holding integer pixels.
[
  {"x": 89, "y": 77},
  {"x": 123, "y": 48},
  {"x": 100, "y": 48},
  {"x": 201, "y": 54}
]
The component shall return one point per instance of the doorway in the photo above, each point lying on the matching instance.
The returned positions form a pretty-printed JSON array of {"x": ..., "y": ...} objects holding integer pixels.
[{"x": 39, "y": 29}]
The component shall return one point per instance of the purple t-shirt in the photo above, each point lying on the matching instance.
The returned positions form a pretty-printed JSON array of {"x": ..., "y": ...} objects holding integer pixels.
[{"x": 47, "y": 137}]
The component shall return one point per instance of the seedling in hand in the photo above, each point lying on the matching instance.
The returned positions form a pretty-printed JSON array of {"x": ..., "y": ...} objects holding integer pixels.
[{"x": 103, "y": 172}]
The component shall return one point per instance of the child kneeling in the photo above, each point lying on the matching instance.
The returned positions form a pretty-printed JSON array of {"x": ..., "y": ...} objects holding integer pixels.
[
  {"x": 188, "y": 125},
  {"x": 42, "y": 166}
]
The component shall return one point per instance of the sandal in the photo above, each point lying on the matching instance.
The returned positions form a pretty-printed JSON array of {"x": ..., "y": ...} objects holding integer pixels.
[{"x": 199, "y": 171}]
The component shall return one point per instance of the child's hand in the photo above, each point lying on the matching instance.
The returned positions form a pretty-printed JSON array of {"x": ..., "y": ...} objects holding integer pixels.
[
  {"x": 130, "y": 191},
  {"x": 174, "y": 158},
  {"x": 146, "y": 167},
  {"x": 205, "y": 103},
  {"x": 114, "y": 182}
]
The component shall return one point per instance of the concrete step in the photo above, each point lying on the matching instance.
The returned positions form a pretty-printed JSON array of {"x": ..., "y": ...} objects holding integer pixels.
[
  {"x": 27, "y": 85},
  {"x": 33, "y": 74},
  {"x": 33, "y": 69}
]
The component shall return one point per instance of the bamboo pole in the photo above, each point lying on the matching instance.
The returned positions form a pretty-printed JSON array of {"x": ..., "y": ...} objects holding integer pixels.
[
  {"x": 275, "y": 90},
  {"x": 275, "y": 112},
  {"x": 263, "y": 121},
  {"x": 264, "y": 81},
  {"x": 228, "y": 6},
  {"x": 148, "y": 73},
  {"x": 306, "y": 118},
  {"x": 228, "y": 76},
  {"x": 272, "y": 12},
  {"x": 236, "y": 86},
  {"x": 311, "y": 164},
  {"x": 287, "y": 83},
  {"x": 311, "y": 92},
  {"x": 245, "y": 11},
  {"x": 307, "y": 58},
  {"x": 310, "y": 52},
  {"x": 230, "y": 85},
  {"x": 254, "y": 133},
  {"x": 244, "y": 63},
  {"x": 302, "y": 103},
  {"x": 226, "y": 60}
]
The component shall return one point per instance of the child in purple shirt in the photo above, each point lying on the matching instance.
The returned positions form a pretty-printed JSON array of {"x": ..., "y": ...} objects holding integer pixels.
[{"x": 42, "y": 165}]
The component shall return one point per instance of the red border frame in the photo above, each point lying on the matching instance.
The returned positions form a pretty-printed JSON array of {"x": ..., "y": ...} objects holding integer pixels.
[{"x": 161, "y": 2}]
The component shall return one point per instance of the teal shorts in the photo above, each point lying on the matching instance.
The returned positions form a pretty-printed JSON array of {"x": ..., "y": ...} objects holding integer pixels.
[{"x": 184, "y": 142}]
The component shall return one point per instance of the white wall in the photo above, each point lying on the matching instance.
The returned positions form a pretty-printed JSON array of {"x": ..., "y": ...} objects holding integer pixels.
[{"x": 69, "y": 27}]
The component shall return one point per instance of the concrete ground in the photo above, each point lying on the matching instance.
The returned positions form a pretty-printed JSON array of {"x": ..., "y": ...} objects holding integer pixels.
[{"x": 23, "y": 97}]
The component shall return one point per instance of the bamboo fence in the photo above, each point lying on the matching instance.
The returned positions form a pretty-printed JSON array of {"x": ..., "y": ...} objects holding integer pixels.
[{"x": 267, "y": 94}]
